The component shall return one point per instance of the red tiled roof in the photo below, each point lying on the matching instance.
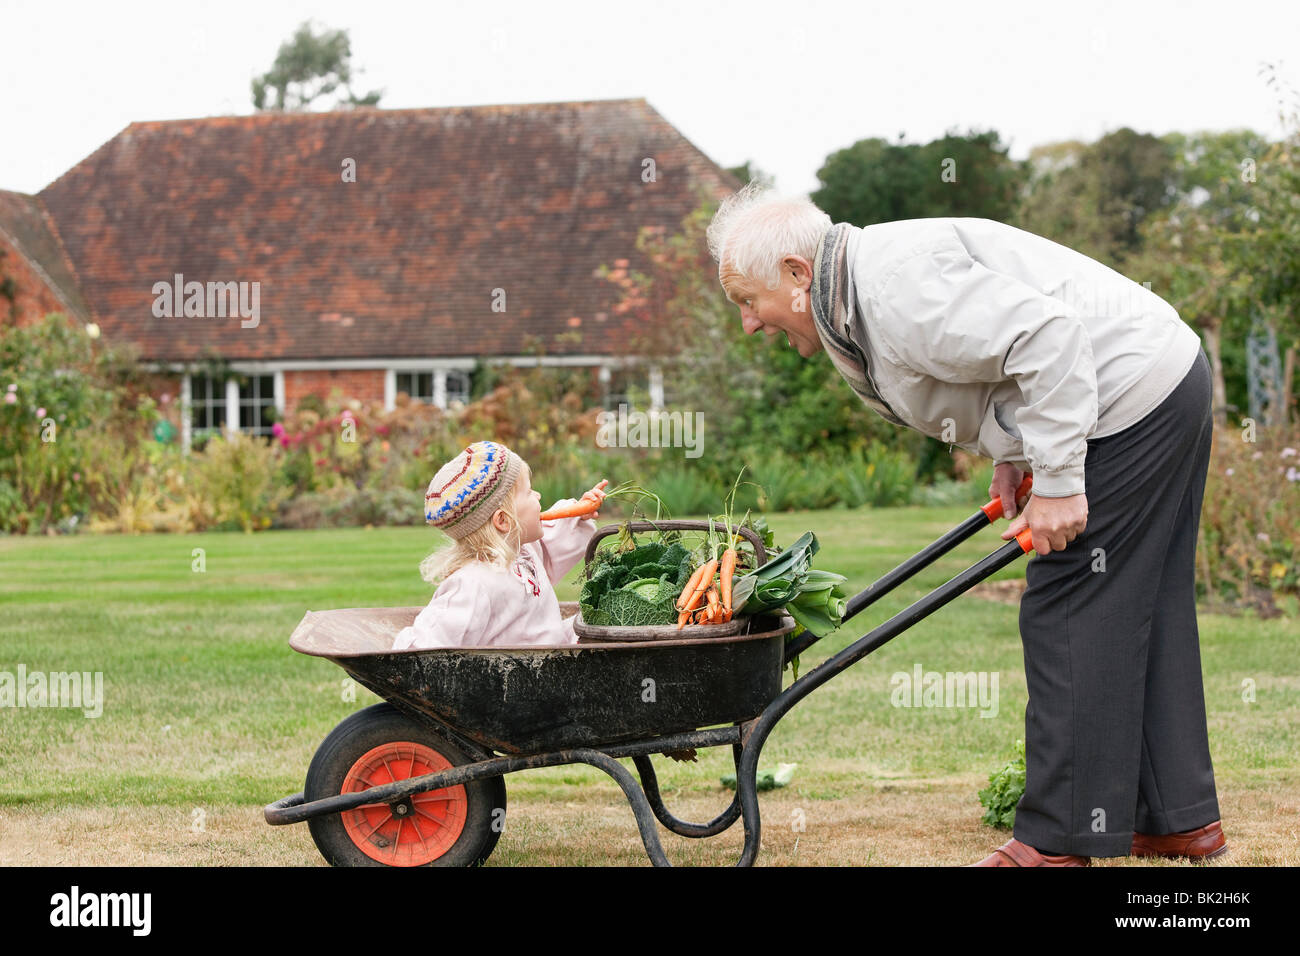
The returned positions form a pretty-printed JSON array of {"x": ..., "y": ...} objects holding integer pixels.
[
  {"x": 449, "y": 204},
  {"x": 27, "y": 230}
]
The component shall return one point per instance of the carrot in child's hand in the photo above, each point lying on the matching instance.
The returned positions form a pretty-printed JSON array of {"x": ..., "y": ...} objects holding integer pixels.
[{"x": 591, "y": 501}]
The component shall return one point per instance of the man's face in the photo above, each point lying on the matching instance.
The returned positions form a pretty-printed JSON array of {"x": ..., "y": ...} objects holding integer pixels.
[{"x": 783, "y": 309}]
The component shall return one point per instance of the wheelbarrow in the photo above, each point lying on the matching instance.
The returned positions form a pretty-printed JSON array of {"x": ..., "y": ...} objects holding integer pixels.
[{"x": 420, "y": 779}]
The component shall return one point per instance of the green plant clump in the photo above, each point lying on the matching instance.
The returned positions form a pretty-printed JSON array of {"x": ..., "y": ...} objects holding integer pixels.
[
  {"x": 636, "y": 588},
  {"x": 1005, "y": 788}
]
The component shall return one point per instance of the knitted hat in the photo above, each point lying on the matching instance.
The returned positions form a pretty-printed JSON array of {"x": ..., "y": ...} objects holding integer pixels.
[{"x": 467, "y": 490}]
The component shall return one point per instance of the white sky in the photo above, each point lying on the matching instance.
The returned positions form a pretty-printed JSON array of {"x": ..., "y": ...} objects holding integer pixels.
[{"x": 781, "y": 84}]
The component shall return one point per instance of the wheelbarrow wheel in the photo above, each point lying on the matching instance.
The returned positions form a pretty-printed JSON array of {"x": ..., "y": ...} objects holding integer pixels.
[{"x": 449, "y": 827}]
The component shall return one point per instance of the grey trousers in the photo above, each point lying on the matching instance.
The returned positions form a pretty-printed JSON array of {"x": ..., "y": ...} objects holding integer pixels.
[{"x": 1115, "y": 732}]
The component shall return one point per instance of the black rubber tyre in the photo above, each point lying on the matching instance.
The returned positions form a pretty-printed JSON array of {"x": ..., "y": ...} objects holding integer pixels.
[
  {"x": 498, "y": 819},
  {"x": 377, "y": 726}
]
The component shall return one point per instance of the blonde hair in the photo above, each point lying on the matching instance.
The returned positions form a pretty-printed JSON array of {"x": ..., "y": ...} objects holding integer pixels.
[
  {"x": 755, "y": 228},
  {"x": 485, "y": 544}
]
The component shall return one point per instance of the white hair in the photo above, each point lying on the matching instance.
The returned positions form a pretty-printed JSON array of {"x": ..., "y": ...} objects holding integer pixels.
[{"x": 756, "y": 228}]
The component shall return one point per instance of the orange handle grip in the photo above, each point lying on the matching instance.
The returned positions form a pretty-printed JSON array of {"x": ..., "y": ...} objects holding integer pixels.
[
  {"x": 1026, "y": 540},
  {"x": 993, "y": 510}
]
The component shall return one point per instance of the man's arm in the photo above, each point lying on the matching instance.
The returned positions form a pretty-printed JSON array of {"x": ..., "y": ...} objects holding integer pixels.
[{"x": 950, "y": 317}]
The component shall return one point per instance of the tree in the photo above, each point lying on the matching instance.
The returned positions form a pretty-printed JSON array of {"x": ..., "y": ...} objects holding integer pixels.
[
  {"x": 1192, "y": 250},
  {"x": 956, "y": 175},
  {"x": 308, "y": 66},
  {"x": 1273, "y": 264},
  {"x": 747, "y": 172},
  {"x": 1094, "y": 198}
]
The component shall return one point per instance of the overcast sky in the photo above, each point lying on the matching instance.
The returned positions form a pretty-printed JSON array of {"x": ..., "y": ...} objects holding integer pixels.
[{"x": 781, "y": 84}]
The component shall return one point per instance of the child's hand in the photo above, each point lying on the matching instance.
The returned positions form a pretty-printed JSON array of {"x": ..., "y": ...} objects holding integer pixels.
[
  {"x": 597, "y": 494},
  {"x": 579, "y": 509}
]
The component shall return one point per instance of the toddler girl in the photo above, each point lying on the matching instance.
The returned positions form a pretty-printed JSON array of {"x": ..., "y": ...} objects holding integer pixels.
[{"x": 497, "y": 576}]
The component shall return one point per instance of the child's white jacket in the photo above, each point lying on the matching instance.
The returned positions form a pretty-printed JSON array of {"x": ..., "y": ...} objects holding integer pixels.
[{"x": 481, "y": 606}]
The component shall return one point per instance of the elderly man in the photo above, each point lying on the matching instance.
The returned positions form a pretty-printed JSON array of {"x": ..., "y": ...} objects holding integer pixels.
[{"x": 1016, "y": 348}]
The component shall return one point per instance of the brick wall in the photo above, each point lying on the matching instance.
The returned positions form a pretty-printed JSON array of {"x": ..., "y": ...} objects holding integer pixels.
[
  {"x": 33, "y": 299},
  {"x": 366, "y": 384}
]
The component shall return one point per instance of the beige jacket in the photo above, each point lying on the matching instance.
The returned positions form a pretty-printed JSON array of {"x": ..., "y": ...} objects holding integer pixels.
[{"x": 1007, "y": 344}]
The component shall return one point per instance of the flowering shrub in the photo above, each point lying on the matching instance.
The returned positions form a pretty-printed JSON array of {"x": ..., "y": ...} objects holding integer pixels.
[
  {"x": 1249, "y": 548},
  {"x": 59, "y": 390},
  {"x": 329, "y": 444},
  {"x": 234, "y": 484}
]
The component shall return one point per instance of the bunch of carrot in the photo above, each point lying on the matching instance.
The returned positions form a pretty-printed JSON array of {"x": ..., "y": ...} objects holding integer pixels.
[{"x": 701, "y": 602}]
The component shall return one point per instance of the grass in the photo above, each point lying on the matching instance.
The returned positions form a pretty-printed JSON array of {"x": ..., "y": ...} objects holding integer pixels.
[{"x": 208, "y": 715}]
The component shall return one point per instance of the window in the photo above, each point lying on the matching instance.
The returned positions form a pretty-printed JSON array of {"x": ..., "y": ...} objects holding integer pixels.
[
  {"x": 458, "y": 387},
  {"x": 215, "y": 405},
  {"x": 423, "y": 386},
  {"x": 618, "y": 389},
  {"x": 418, "y": 385},
  {"x": 256, "y": 404},
  {"x": 207, "y": 408}
]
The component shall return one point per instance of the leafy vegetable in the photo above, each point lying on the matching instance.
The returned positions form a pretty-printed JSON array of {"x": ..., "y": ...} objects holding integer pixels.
[
  {"x": 820, "y": 604},
  {"x": 765, "y": 779},
  {"x": 1006, "y": 787},
  {"x": 777, "y": 581},
  {"x": 636, "y": 588},
  {"x": 815, "y": 599},
  {"x": 648, "y": 589}
]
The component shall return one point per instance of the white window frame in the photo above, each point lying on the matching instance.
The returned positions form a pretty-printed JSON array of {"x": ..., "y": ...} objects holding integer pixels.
[
  {"x": 438, "y": 370},
  {"x": 231, "y": 399}
]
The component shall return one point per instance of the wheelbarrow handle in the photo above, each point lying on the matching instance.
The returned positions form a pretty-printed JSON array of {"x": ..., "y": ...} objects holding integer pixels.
[
  {"x": 873, "y": 592},
  {"x": 982, "y": 518},
  {"x": 993, "y": 510}
]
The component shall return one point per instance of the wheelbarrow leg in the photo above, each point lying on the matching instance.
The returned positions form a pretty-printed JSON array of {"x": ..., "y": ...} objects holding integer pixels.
[
  {"x": 681, "y": 827},
  {"x": 640, "y": 806},
  {"x": 752, "y": 741}
]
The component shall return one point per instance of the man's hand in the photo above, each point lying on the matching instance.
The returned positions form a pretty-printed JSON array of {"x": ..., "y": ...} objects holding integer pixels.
[
  {"x": 1006, "y": 479},
  {"x": 1055, "y": 522}
]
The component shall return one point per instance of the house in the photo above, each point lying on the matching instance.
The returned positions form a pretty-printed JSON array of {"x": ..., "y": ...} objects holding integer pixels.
[{"x": 380, "y": 251}]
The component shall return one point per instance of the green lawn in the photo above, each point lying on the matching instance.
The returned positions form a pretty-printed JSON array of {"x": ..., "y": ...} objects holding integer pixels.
[{"x": 207, "y": 707}]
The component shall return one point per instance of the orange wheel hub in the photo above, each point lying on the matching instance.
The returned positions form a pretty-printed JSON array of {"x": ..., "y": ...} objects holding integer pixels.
[{"x": 415, "y": 831}]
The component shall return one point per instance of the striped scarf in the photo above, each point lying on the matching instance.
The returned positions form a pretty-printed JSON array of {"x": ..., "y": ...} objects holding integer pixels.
[{"x": 834, "y": 307}]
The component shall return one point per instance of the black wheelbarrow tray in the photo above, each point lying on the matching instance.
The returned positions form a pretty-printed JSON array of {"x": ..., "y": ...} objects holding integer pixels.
[{"x": 419, "y": 779}]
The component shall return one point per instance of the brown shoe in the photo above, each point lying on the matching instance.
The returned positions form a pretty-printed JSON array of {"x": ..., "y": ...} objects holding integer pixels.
[
  {"x": 1015, "y": 853},
  {"x": 1200, "y": 844}
]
